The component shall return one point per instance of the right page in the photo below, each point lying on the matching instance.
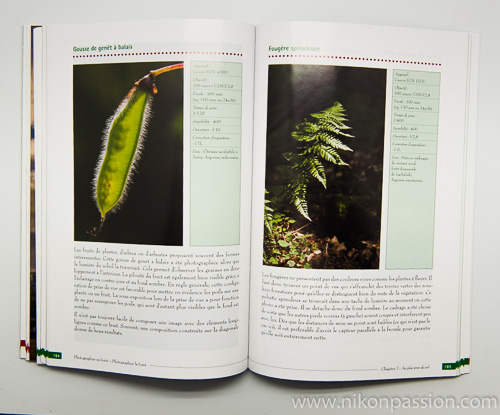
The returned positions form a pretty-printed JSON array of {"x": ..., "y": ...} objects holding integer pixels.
[{"x": 362, "y": 207}]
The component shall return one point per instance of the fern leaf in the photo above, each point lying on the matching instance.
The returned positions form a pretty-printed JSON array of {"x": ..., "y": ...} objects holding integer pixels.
[
  {"x": 333, "y": 142},
  {"x": 320, "y": 140},
  {"x": 328, "y": 153},
  {"x": 316, "y": 170},
  {"x": 301, "y": 205},
  {"x": 268, "y": 215}
]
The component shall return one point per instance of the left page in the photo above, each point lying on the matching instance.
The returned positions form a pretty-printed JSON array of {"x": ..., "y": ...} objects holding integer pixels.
[{"x": 144, "y": 198}]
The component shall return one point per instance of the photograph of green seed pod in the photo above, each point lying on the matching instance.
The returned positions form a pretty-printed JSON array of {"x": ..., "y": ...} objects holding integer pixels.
[
  {"x": 324, "y": 166},
  {"x": 128, "y": 153}
]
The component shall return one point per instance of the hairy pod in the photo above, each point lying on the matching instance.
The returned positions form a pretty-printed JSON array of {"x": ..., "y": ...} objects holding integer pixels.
[
  {"x": 122, "y": 143},
  {"x": 121, "y": 150}
]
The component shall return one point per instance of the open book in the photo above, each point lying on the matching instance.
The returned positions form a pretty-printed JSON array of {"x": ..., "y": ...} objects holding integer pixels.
[{"x": 209, "y": 196}]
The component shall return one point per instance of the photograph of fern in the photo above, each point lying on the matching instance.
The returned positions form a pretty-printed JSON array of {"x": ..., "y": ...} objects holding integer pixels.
[
  {"x": 324, "y": 165},
  {"x": 150, "y": 209}
]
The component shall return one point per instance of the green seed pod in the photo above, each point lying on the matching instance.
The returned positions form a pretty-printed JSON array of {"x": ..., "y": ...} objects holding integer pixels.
[
  {"x": 122, "y": 147},
  {"x": 122, "y": 144}
]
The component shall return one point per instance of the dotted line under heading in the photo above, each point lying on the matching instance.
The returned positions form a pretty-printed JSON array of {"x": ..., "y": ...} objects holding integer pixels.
[
  {"x": 353, "y": 58},
  {"x": 107, "y": 55}
]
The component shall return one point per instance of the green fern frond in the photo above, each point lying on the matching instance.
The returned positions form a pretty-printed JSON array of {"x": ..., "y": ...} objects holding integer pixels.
[
  {"x": 268, "y": 215},
  {"x": 332, "y": 141},
  {"x": 335, "y": 112},
  {"x": 333, "y": 129},
  {"x": 301, "y": 206},
  {"x": 328, "y": 154},
  {"x": 315, "y": 169},
  {"x": 319, "y": 141}
]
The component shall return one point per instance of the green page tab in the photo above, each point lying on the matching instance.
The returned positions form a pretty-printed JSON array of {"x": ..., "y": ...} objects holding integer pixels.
[
  {"x": 48, "y": 354},
  {"x": 457, "y": 364}
]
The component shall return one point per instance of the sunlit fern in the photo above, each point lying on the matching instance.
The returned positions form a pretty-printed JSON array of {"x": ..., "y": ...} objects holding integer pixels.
[{"x": 319, "y": 141}]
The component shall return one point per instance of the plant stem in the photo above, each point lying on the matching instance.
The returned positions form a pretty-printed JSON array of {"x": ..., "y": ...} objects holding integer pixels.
[{"x": 166, "y": 69}]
